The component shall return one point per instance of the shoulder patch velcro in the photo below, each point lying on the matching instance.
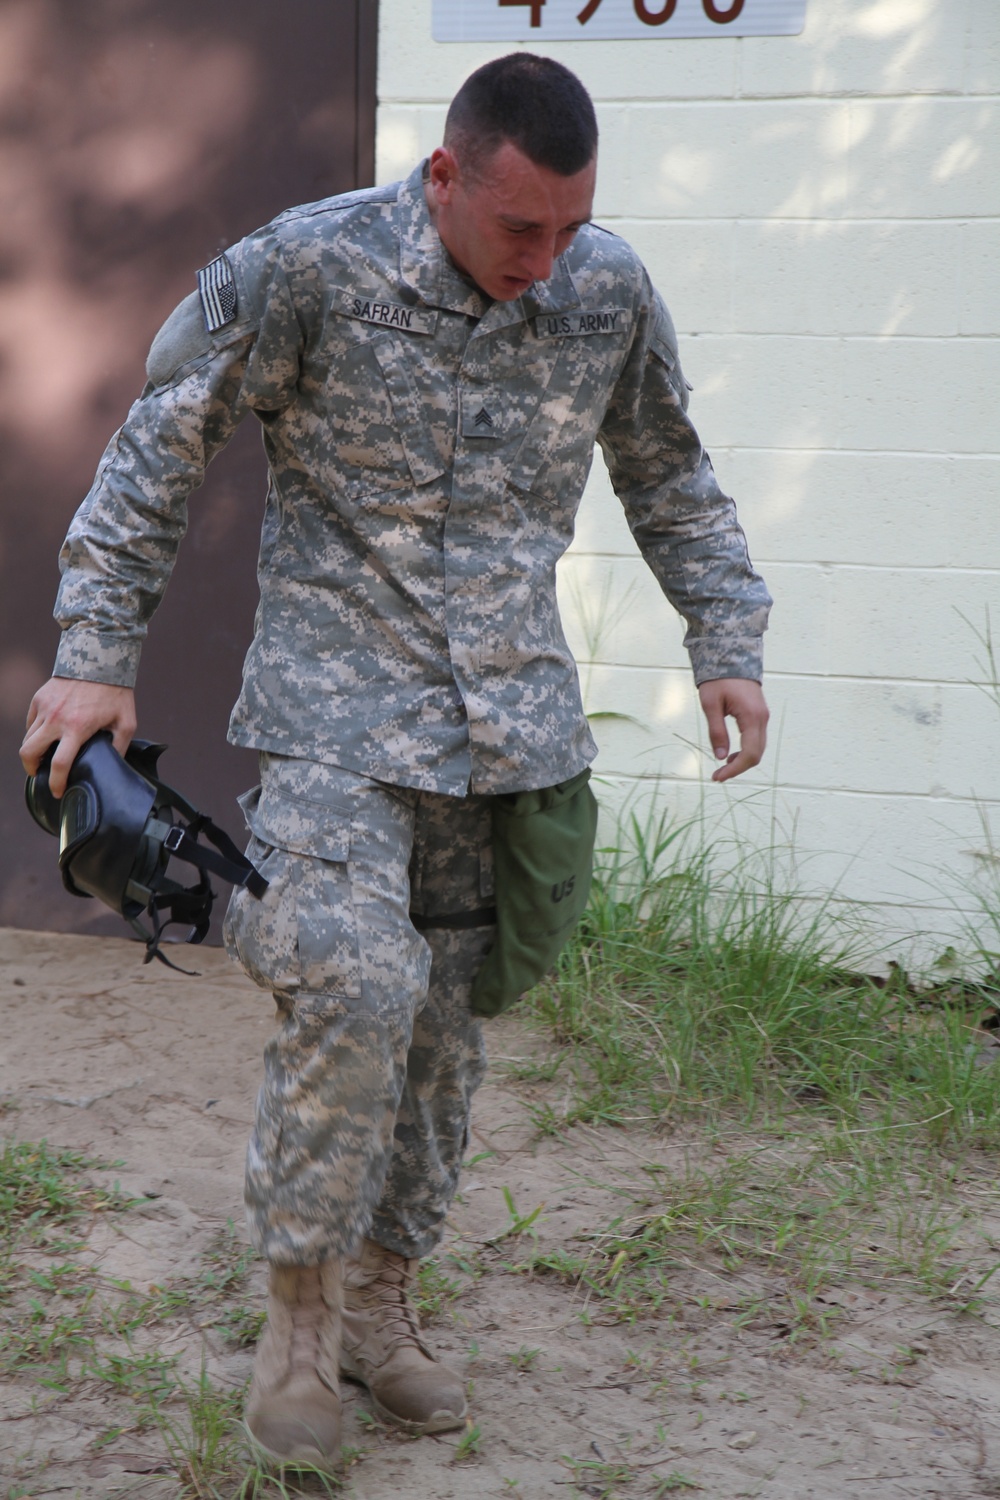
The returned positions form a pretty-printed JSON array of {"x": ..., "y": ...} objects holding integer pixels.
[{"x": 217, "y": 289}]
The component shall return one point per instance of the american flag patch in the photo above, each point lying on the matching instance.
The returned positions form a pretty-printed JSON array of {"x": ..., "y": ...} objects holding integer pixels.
[{"x": 217, "y": 290}]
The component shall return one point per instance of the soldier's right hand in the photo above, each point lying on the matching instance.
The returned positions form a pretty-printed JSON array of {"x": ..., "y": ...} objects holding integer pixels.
[{"x": 67, "y": 712}]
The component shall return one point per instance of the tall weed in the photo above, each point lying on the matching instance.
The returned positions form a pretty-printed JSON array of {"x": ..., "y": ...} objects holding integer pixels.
[{"x": 702, "y": 979}]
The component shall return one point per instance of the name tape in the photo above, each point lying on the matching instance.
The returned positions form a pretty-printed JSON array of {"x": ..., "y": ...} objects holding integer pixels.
[
  {"x": 388, "y": 314},
  {"x": 572, "y": 325}
]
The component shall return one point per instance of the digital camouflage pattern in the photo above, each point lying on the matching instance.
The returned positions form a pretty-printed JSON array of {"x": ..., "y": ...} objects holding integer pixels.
[
  {"x": 362, "y": 1119},
  {"x": 427, "y": 453},
  {"x": 427, "y": 450}
]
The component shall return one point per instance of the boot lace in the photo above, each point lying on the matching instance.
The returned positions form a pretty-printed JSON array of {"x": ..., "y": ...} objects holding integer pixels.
[
  {"x": 306, "y": 1315},
  {"x": 386, "y": 1293}
]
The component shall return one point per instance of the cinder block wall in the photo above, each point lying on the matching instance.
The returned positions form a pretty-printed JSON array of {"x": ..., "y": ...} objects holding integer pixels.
[{"x": 821, "y": 215}]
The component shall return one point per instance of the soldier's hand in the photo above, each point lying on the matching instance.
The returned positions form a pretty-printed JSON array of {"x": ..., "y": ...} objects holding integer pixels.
[
  {"x": 742, "y": 699},
  {"x": 68, "y": 712}
]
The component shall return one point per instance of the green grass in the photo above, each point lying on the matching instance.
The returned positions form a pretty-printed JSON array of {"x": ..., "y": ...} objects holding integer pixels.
[
  {"x": 65, "y": 1329},
  {"x": 701, "y": 992},
  {"x": 697, "y": 987},
  {"x": 773, "y": 1232},
  {"x": 434, "y": 1289},
  {"x": 204, "y": 1442},
  {"x": 42, "y": 1189},
  {"x": 469, "y": 1445}
]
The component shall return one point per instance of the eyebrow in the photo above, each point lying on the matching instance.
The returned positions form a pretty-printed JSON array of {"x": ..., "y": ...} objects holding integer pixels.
[{"x": 513, "y": 222}]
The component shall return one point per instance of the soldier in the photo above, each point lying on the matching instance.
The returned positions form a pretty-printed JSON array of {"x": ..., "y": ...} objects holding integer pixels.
[{"x": 431, "y": 364}]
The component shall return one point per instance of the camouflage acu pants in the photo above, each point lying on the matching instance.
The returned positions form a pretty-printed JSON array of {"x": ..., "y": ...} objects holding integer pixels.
[{"x": 362, "y": 1119}]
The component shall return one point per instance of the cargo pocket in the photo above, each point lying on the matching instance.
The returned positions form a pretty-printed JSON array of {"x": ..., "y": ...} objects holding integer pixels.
[{"x": 303, "y": 935}]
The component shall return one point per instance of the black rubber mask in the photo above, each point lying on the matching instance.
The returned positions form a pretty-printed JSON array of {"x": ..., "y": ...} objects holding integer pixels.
[{"x": 119, "y": 826}]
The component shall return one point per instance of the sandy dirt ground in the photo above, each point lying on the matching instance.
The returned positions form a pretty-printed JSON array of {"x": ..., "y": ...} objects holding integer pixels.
[{"x": 158, "y": 1072}]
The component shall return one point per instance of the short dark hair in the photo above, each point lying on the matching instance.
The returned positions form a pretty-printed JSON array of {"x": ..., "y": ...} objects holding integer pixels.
[{"x": 535, "y": 103}]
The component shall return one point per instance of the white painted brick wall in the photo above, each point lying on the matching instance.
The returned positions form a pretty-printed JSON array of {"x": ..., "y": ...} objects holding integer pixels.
[{"x": 822, "y": 214}]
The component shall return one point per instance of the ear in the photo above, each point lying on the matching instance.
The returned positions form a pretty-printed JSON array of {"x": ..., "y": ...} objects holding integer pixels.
[{"x": 444, "y": 174}]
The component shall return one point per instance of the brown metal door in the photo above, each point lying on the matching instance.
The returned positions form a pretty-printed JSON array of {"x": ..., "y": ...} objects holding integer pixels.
[{"x": 137, "y": 139}]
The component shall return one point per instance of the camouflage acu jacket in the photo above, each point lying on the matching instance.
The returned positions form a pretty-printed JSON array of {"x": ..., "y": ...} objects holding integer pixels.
[{"x": 427, "y": 453}]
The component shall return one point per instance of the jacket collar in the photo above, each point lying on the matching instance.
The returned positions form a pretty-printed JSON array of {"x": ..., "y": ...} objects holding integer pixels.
[{"x": 423, "y": 261}]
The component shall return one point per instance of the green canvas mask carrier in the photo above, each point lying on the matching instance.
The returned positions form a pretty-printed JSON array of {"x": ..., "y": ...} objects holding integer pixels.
[{"x": 543, "y": 851}]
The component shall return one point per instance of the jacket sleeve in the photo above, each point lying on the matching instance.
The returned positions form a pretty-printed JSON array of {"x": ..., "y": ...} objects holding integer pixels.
[
  {"x": 121, "y": 545},
  {"x": 684, "y": 525}
]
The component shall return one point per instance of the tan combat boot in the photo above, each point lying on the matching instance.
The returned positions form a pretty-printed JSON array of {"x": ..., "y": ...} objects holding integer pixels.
[
  {"x": 383, "y": 1350},
  {"x": 293, "y": 1409}
]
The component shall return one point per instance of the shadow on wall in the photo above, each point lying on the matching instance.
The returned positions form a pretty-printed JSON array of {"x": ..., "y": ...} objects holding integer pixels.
[{"x": 137, "y": 139}]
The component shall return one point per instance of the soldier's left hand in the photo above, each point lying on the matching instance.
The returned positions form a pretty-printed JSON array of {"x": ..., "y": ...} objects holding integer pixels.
[{"x": 742, "y": 699}]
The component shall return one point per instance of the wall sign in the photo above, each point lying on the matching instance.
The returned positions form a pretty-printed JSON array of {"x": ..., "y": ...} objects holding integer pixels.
[{"x": 603, "y": 20}]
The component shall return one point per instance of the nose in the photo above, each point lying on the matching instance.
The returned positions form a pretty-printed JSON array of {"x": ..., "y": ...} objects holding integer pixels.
[{"x": 538, "y": 261}]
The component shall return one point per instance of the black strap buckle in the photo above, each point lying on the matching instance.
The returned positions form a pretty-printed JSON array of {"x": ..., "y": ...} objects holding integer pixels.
[{"x": 174, "y": 839}]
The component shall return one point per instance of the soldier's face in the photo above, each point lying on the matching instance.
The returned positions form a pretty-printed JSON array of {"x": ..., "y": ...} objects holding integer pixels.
[{"x": 505, "y": 225}]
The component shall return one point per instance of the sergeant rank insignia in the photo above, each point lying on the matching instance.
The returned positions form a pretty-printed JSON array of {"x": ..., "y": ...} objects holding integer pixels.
[
  {"x": 482, "y": 416},
  {"x": 217, "y": 289}
]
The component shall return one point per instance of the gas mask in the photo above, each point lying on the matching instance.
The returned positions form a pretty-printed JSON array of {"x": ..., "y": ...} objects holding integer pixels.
[{"x": 119, "y": 827}]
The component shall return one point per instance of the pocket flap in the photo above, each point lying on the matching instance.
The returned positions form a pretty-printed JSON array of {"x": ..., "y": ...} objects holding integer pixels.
[
  {"x": 415, "y": 429},
  {"x": 296, "y": 824}
]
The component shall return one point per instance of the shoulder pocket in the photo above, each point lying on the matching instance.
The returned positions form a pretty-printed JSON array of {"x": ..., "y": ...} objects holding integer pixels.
[
  {"x": 664, "y": 352},
  {"x": 668, "y": 357}
]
